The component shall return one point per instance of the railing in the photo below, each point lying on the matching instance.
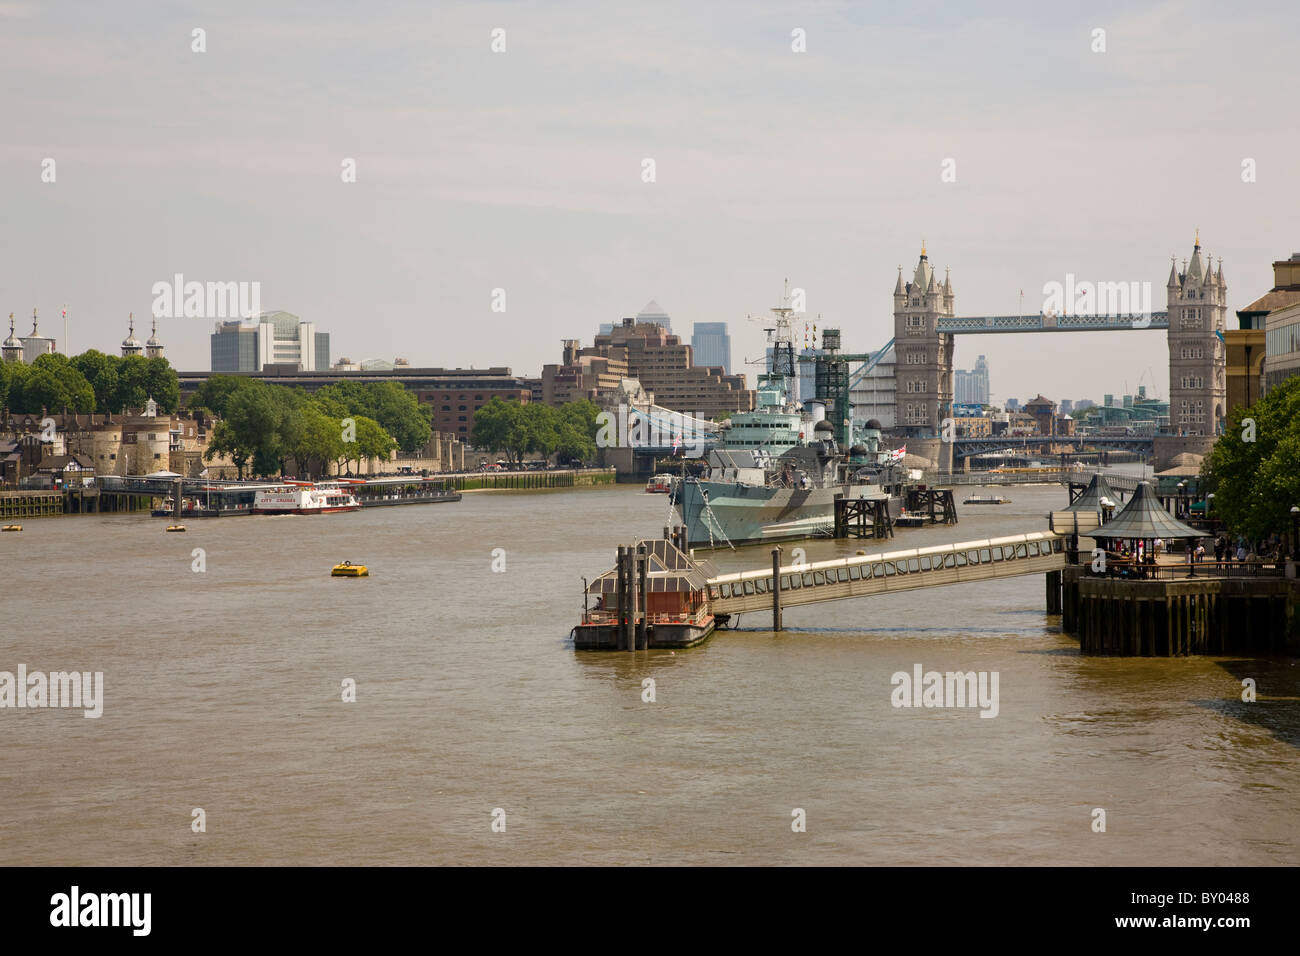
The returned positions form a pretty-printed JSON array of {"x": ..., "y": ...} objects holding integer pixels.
[
  {"x": 1031, "y": 553},
  {"x": 610, "y": 617},
  {"x": 1129, "y": 570}
]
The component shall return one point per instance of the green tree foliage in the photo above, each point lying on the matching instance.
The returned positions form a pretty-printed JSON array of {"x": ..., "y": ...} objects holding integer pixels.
[
  {"x": 89, "y": 382},
  {"x": 388, "y": 403},
  {"x": 262, "y": 425},
  {"x": 213, "y": 396},
  {"x": 100, "y": 371},
  {"x": 1254, "y": 469},
  {"x": 52, "y": 382},
  {"x": 517, "y": 430}
]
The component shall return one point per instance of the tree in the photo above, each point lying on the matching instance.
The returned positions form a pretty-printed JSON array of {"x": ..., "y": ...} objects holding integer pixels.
[
  {"x": 162, "y": 384},
  {"x": 372, "y": 441},
  {"x": 1254, "y": 468},
  {"x": 225, "y": 442},
  {"x": 321, "y": 440},
  {"x": 53, "y": 383},
  {"x": 100, "y": 371},
  {"x": 12, "y": 375},
  {"x": 213, "y": 396},
  {"x": 499, "y": 426}
]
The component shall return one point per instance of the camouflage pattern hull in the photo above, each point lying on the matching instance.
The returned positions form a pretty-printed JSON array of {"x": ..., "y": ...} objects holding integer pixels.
[{"x": 745, "y": 514}]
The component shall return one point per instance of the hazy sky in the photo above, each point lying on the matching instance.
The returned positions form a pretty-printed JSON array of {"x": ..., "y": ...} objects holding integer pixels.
[{"x": 522, "y": 170}]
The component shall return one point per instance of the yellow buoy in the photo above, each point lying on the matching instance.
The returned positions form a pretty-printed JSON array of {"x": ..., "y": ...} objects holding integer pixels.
[
  {"x": 176, "y": 527},
  {"x": 349, "y": 570},
  {"x": 12, "y": 527}
]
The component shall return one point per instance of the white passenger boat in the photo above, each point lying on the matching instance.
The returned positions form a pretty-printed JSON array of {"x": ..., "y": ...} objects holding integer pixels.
[{"x": 304, "y": 498}]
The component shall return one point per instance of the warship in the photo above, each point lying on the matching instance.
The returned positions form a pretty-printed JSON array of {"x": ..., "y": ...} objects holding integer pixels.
[{"x": 779, "y": 469}]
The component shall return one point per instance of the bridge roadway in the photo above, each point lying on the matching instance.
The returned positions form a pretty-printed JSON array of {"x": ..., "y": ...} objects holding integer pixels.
[{"x": 863, "y": 575}]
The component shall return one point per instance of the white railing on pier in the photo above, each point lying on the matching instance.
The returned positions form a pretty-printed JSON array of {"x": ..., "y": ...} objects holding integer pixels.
[{"x": 862, "y": 575}]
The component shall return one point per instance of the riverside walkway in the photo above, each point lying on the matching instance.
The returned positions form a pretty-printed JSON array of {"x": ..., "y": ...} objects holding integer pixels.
[{"x": 1039, "y": 552}]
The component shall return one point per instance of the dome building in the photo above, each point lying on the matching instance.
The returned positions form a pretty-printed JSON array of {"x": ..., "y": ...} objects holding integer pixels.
[
  {"x": 12, "y": 350},
  {"x": 153, "y": 348},
  {"x": 131, "y": 345}
]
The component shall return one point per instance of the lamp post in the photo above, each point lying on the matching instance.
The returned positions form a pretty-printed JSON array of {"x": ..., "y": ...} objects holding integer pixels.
[
  {"x": 1178, "y": 508},
  {"x": 1295, "y": 533}
]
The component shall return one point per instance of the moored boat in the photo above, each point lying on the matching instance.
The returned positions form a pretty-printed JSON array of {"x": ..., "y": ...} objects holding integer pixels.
[
  {"x": 987, "y": 500},
  {"x": 305, "y": 498},
  {"x": 660, "y": 484},
  {"x": 674, "y": 607}
]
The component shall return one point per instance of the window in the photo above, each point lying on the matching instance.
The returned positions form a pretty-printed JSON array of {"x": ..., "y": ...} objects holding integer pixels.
[
  {"x": 914, "y": 565},
  {"x": 749, "y": 587},
  {"x": 761, "y": 585},
  {"x": 949, "y": 561},
  {"x": 819, "y": 577},
  {"x": 985, "y": 556},
  {"x": 785, "y": 582},
  {"x": 808, "y": 580},
  {"x": 973, "y": 557},
  {"x": 460, "y": 418},
  {"x": 889, "y": 569},
  {"x": 925, "y": 564},
  {"x": 726, "y": 590},
  {"x": 878, "y": 570},
  {"x": 842, "y": 574},
  {"x": 855, "y": 573},
  {"x": 461, "y": 408}
]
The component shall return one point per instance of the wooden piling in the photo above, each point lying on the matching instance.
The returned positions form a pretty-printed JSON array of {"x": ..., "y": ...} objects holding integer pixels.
[
  {"x": 776, "y": 588},
  {"x": 643, "y": 625}
]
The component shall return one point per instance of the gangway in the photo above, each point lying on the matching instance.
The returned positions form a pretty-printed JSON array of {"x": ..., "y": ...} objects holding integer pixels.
[{"x": 1038, "y": 552}]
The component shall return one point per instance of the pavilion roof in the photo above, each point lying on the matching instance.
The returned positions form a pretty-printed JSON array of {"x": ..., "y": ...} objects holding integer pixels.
[{"x": 1145, "y": 517}]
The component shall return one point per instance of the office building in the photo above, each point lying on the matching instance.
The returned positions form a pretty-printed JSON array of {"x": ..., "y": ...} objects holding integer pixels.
[{"x": 711, "y": 345}]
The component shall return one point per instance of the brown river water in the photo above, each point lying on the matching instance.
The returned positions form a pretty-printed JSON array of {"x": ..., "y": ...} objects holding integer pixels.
[{"x": 222, "y": 691}]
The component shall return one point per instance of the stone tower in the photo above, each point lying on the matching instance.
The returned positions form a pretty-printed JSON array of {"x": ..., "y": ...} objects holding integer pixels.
[
  {"x": 923, "y": 361},
  {"x": 131, "y": 345},
  {"x": 12, "y": 351},
  {"x": 1197, "y": 357},
  {"x": 153, "y": 348}
]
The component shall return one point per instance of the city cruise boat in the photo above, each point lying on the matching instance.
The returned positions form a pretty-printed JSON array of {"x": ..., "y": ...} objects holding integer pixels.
[
  {"x": 660, "y": 484},
  {"x": 305, "y": 498}
]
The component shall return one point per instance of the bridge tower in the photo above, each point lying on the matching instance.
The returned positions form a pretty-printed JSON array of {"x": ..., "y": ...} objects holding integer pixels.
[
  {"x": 1197, "y": 358},
  {"x": 923, "y": 361}
]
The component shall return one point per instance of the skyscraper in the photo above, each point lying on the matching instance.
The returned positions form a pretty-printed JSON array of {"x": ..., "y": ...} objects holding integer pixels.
[
  {"x": 972, "y": 387},
  {"x": 711, "y": 345},
  {"x": 278, "y": 338}
]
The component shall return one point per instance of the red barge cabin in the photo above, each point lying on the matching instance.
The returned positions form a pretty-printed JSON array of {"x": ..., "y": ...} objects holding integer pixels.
[{"x": 655, "y": 596}]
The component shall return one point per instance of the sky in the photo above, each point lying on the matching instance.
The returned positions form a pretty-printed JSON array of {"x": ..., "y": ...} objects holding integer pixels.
[{"x": 523, "y": 170}]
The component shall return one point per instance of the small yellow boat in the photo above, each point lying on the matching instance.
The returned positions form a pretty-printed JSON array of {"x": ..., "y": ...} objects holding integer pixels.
[
  {"x": 12, "y": 527},
  {"x": 349, "y": 570},
  {"x": 176, "y": 527}
]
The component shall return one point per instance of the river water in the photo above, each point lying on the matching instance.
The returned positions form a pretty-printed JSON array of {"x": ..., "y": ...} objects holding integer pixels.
[{"x": 223, "y": 691}]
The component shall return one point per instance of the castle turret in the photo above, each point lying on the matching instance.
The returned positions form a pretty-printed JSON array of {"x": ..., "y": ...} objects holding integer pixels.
[
  {"x": 12, "y": 350},
  {"x": 131, "y": 345},
  {"x": 153, "y": 348}
]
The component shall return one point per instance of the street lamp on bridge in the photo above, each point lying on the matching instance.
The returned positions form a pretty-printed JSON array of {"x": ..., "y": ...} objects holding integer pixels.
[{"x": 1295, "y": 533}]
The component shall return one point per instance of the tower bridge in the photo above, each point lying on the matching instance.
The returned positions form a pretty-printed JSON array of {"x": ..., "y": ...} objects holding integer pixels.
[{"x": 926, "y": 321}]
